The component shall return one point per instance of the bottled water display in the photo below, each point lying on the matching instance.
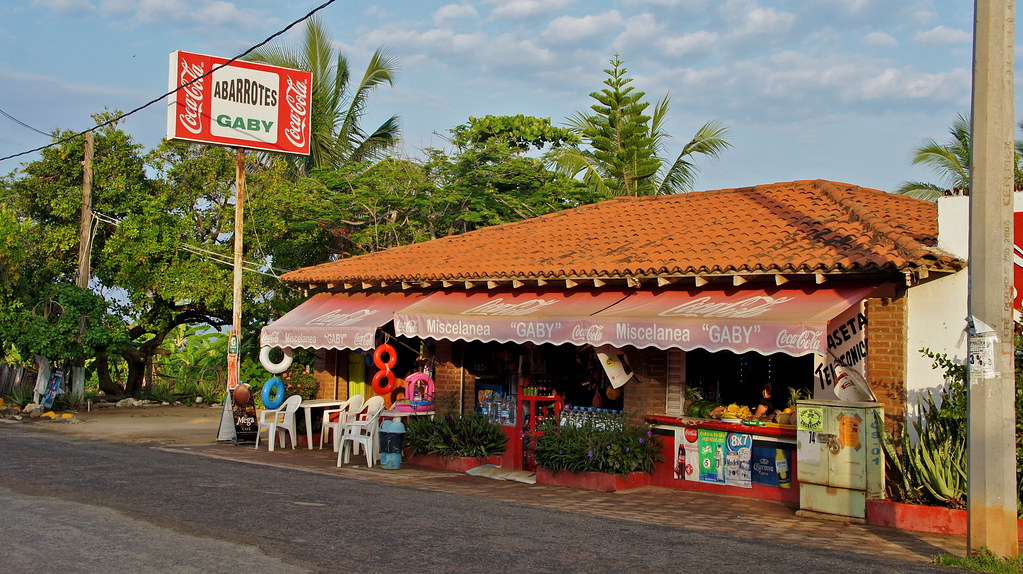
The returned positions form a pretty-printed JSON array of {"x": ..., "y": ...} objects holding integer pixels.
[
  {"x": 604, "y": 419},
  {"x": 499, "y": 410}
]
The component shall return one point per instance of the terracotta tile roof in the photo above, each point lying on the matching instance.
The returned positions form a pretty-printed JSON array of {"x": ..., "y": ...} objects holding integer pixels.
[{"x": 794, "y": 228}]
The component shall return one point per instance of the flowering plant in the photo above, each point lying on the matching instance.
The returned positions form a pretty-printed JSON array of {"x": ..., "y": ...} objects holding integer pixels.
[
  {"x": 605, "y": 443},
  {"x": 301, "y": 383}
]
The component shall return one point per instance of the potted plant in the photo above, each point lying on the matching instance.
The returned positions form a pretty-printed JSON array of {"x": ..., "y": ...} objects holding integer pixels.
[
  {"x": 454, "y": 441},
  {"x": 602, "y": 453}
]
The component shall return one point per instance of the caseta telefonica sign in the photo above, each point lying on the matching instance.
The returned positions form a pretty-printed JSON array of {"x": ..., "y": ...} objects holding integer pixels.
[{"x": 244, "y": 104}]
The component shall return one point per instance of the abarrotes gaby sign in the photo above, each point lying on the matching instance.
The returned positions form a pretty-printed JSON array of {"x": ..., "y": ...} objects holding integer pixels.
[{"x": 242, "y": 104}]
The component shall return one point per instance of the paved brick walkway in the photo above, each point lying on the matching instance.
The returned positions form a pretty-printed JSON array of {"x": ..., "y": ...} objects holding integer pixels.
[{"x": 689, "y": 510}]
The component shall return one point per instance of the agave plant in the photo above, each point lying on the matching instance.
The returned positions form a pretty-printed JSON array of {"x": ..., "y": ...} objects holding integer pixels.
[{"x": 934, "y": 467}]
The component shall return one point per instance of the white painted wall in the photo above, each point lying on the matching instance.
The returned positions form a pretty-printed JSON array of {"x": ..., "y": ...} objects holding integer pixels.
[{"x": 938, "y": 308}]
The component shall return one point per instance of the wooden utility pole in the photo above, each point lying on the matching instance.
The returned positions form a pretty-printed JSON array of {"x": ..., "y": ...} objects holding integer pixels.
[
  {"x": 84, "y": 256},
  {"x": 85, "y": 223},
  {"x": 239, "y": 218},
  {"x": 991, "y": 453}
]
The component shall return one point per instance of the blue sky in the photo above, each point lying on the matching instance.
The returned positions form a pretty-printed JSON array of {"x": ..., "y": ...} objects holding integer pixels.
[{"x": 829, "y": 89}]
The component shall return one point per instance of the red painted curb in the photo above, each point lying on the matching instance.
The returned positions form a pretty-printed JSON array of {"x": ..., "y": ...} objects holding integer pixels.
[
  {"x": 453, "y": 464},
  {"x": 920, "y": 518},
  {"x": 600, "y": 481}
]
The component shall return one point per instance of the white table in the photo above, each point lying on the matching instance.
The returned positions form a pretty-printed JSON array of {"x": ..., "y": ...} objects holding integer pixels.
[
  {"x": 308, "y": 407},
  {"x": 392, "y": 413}
]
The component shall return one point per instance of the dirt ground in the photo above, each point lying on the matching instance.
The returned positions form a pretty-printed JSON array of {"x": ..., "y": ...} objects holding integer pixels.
[{"x": 171, "y": 425}]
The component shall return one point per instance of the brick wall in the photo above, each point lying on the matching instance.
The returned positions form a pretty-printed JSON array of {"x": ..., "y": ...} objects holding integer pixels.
[
  {"x": 325, "y": 368},
  {"x": 448, "y": 378},
  {"x": 887, "y": 319},
  {"x": 645, "y": 393}
]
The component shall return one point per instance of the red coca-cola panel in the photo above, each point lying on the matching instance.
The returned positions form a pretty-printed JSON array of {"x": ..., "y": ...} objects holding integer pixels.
[
  {"x": 241, "y": 104},
  {"x": 1017, "y": 265}
]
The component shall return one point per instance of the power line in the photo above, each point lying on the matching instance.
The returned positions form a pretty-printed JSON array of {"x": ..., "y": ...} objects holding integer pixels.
[
  {"x": 181, "y": 87},
  {"x": 23, "y": 124}
]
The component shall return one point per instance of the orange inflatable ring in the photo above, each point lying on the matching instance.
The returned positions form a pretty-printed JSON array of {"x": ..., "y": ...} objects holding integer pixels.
[
  {"x": 392, "y": 382},
  {"x": 378, "y": 357}
]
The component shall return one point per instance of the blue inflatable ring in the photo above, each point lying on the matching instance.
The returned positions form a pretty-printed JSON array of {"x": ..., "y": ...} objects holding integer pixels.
[{"x": 275, "y": 386}]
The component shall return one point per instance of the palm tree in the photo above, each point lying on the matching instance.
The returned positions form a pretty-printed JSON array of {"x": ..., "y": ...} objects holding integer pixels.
[
  {"x": 951, "y": 161},
  {"x": 337, "y": 108},
  {"x": 625, "y": 145}
]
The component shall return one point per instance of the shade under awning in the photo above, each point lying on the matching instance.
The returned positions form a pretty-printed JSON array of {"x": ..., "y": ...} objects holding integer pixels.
[
  {"x": 335, "y": 321},
  {"x": 779, "y": 320},
  {"x": 520, "y": 316}
]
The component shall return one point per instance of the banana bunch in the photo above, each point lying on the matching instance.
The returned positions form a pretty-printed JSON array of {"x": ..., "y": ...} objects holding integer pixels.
[{"x": 734, "y": 411}]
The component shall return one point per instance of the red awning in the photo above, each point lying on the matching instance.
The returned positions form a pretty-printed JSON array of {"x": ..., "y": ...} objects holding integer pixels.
[
  {"x": 519, "y": 315},
  {"x": 335, "y": 321},
  {"x": 779, "y": 320}
]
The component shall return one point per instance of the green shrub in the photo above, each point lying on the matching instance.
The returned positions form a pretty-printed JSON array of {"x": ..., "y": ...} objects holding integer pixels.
[
  {"x": 602, "y": 444},
  {"x": 455, "y": 435}
]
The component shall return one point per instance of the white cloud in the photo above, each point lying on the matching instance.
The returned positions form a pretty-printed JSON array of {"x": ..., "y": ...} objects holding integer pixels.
[
  {"x": 66, "y": 7},
  {"x": 638, "y": 31},
  {"x": 568, "y": 29},
  {"x": 435, "y": 41},
  {"x": 879, "y": 40},
  {"x": 450, "y": 12},
  {"x": 943, "y": 35},
  {"x": 523, "y": 9},
  {"x": 907, "y": 84},
  {"x": 698, "y": 5},
  {"x": 702, "y": 41},
  {"x": 748, "y": 18}
]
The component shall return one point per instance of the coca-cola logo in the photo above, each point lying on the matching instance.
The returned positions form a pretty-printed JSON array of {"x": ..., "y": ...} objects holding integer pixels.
[
  {"x": 744, "y": 309},
  {"x": 297, "y": 96},
  {"x": 587, "y": 334},
  {"x": 191, "y": 115},
  {"x": 336, "y": 318},
  {"x": 498, "y": 307},
  {"x": 803, "y": 341}
]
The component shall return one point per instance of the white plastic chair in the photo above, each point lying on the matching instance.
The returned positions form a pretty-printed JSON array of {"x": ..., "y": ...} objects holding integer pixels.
[
  {"x": 279, "y": 420},
  {"x": 362, "y": 430},
  {"x": 344, "y": 412}
]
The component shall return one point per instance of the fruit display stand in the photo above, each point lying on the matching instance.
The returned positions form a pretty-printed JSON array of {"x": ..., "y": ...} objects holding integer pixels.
[{"x": 533, "y": 409}]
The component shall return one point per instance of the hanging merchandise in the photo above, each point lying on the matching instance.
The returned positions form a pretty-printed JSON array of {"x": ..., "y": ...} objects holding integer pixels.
[
  {"x": 385, "y": 358},
  {"x": 615, "y": 365},
  {"x": 273, "y": 393},
  {"x": 357, "y": 373}
]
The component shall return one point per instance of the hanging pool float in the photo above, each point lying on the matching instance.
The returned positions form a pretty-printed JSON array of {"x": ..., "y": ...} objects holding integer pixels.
[
  {"x": 272, "y": 367},
  {"x": 273, "y": 393}
]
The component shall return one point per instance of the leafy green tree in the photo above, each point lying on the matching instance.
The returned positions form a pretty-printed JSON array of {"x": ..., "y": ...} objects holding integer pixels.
[
  {"x": 951, "y": 162},
  {"x": 519, "y": 132},
  {"x": 487, "y": 180},
  {"x": 624, "y": 145},
  {"x": 40, "y": 212},
  {"x": 337, "y": 136},
  {"x": 162, "y": 254}
]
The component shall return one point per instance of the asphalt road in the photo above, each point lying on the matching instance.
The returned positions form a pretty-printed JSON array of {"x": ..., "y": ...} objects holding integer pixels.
[{"x": 79, "y": 505}]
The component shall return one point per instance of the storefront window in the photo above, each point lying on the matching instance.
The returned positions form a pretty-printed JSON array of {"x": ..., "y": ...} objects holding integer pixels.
[{"x": 726, "y": 377}]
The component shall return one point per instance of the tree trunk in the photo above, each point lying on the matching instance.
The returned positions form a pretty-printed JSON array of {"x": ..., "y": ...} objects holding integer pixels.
[
  {"x": 106, "y": 382},
  {"x": 139, "y": 360}
]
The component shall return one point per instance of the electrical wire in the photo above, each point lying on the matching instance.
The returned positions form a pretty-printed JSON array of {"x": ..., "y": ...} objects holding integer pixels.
[
  {"x": 23, "y": 124},
  {"x": 181, "y": 87}
]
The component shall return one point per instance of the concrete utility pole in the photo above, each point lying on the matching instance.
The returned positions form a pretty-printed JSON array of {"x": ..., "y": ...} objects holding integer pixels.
[
  {"x": 84, "y": 256},
  {"x": 991, "y": 458}
]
